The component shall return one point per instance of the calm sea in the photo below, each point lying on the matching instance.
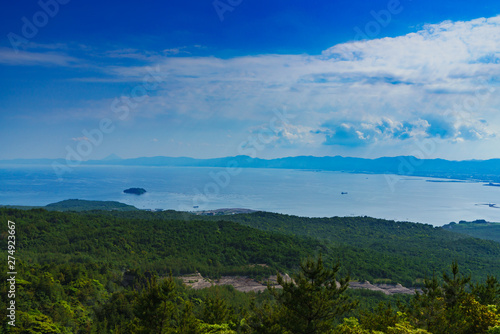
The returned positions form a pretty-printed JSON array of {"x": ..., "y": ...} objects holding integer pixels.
[{"x": 296, "y": 192}]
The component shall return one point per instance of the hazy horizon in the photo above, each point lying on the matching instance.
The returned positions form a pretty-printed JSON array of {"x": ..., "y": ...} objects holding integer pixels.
[{"x": 116, "y": 157}]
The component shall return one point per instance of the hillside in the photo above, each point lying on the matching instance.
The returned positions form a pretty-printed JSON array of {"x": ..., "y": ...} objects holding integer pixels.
[
  {"x": 78, "y": 205},
  {"x": 210, "y": 247},
  {"x": 370, "y": 249},
  {"x": 478, "y": 229},
  {"x": 84, "y": 205},
  {"x": 388, "y": 249},
  {"x": 97, "y": 271}
]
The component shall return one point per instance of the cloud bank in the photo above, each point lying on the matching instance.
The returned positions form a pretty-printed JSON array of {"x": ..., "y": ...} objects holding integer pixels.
[{"x": 438, "y": 82}]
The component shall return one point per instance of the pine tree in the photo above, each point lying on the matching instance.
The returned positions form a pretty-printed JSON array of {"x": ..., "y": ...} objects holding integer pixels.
[
  {"x": 312, "y": 299},
  {"x": 156, "y": 309},
  {"x": 427, "y": 309},
  {"x": 489, "y": 292},
  {"x": 215, "y": 310}
]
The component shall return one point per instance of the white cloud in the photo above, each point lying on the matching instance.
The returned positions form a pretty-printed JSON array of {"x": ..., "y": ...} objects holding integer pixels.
[
  {"x": 129, "y": 54},
  {"x": 284, "y": 134},
  {"x": 440, "y": 81},
  {"x": 79, "y": 139},
  {"x": 11, "y": 57},
  {"x": 438, "y": 54}
]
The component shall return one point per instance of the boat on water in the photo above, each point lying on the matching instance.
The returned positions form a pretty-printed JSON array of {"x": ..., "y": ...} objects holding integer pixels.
[{"x": 344, "y": 193}]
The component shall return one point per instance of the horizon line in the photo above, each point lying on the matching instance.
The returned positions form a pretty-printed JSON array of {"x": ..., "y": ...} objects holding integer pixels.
[{"x": 107, "y": 158}]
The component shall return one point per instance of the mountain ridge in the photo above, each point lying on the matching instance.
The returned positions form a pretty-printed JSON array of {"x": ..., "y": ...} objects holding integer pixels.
[{"x": 476, "y": 170}]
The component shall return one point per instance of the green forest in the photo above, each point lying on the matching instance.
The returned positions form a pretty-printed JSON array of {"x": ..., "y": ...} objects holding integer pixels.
[
  {"x": 118, "y": 272},
  {"x": 478, "y": 229}
]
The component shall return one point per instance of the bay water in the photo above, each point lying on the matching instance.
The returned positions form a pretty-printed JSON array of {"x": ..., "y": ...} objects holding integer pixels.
[{"x": 295, "y": 192}]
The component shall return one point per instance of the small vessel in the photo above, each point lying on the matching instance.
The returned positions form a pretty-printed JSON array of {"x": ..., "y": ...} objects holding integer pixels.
[
  {"x": 344, "y": 193},
  {"x": 491, "y": 205}
]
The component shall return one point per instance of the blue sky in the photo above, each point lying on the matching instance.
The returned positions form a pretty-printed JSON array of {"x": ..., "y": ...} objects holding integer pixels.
[{"x": 263, "y": 78}]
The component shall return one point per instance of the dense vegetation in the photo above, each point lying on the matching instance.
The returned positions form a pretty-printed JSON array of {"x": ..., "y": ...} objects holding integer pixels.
[
  {"x": 88, "y": 298},
  {"x": 111, "y": 272},
  {"x": 401, "y": 251},
  {"x": 478, "y": 229},
  {"x": 83, "y": 205},
  {"x": 78, "y": 205},
  {"x": 212, "y": 248},
  {"x": 368, "y": 248}
]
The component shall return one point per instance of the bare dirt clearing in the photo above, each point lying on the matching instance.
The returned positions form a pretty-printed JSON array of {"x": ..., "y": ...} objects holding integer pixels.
[{"x": 246, "y": 284}]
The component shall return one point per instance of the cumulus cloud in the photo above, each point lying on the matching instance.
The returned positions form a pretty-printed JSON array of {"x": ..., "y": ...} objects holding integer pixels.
[
  {"x": 437, "y": 82},
  {"x": 284, "y": 135},
  {"x": 356, "y": 134},
  {"x": 346, "y": 135},
  {"x": 440, "y": 127}
]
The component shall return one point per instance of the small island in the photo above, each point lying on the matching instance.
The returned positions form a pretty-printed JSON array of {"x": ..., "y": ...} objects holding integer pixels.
[{"x": 135, "y": 191}]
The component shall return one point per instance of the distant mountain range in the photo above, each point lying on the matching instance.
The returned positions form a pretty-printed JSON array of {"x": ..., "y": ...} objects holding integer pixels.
[{"x": 479, "y": 170}]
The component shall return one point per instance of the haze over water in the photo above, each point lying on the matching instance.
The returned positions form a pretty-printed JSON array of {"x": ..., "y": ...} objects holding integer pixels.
[{"x": 295, "y": 192}]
